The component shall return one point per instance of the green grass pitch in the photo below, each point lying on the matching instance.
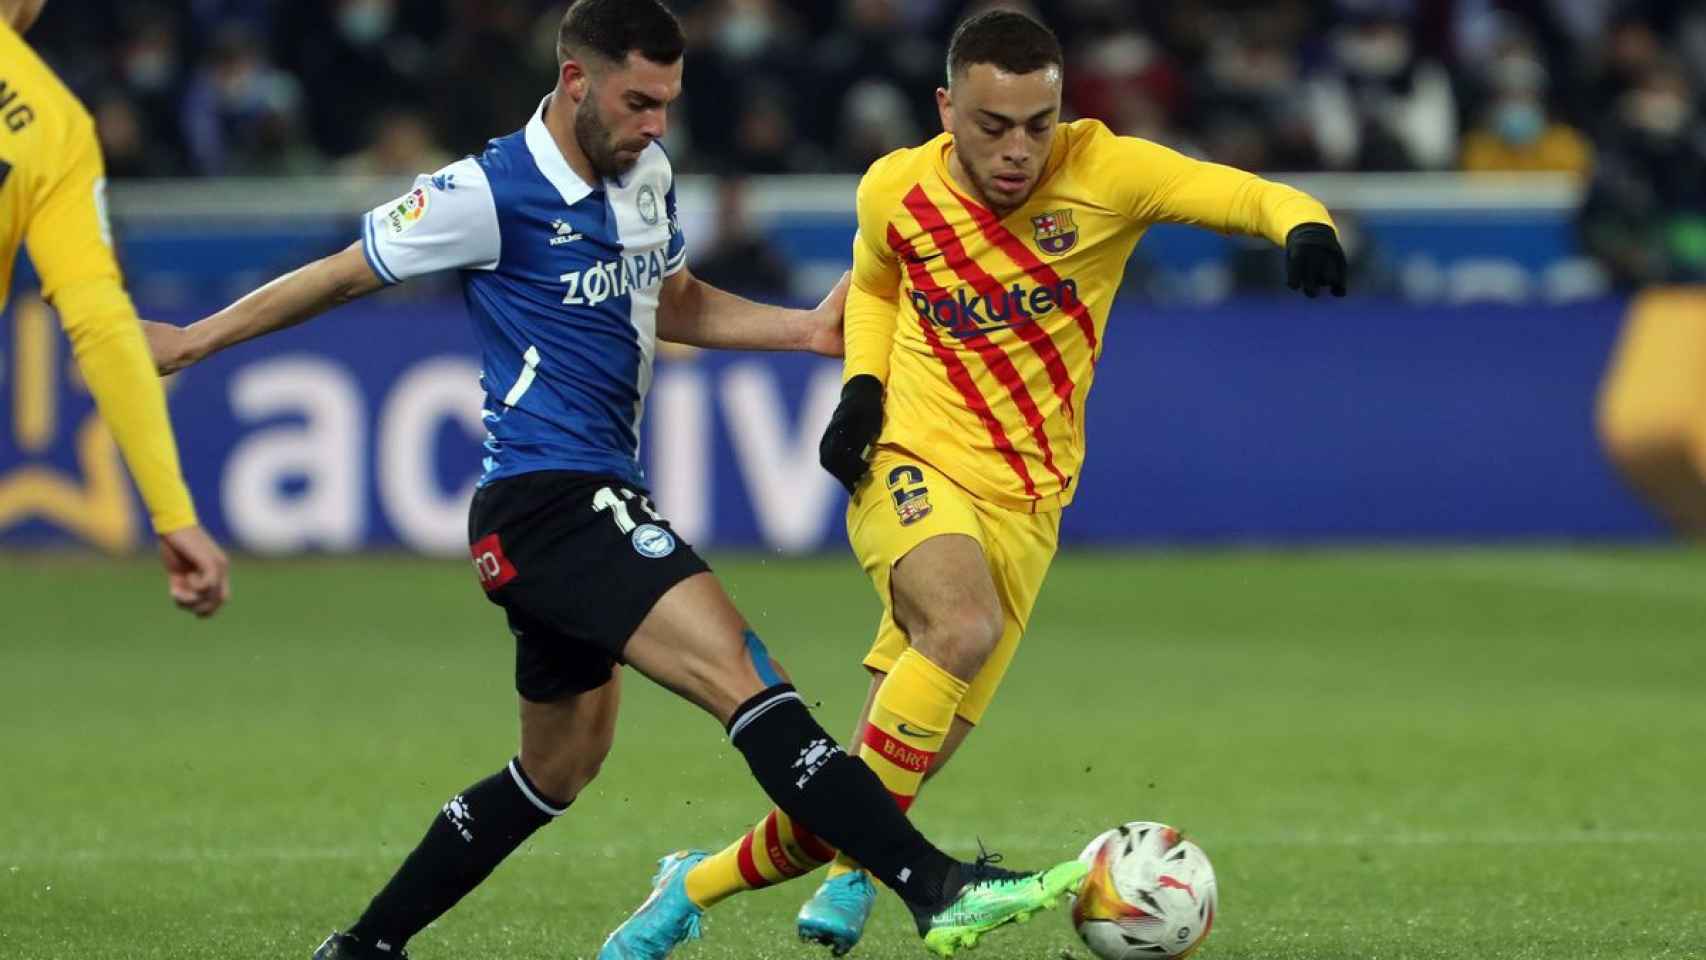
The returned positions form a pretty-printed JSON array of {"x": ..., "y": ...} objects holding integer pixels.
[{"x": 1388, "y": 754}]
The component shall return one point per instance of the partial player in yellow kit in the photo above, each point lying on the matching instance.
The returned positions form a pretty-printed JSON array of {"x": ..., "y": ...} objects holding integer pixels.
[
  {"x": 985, "y": 266},
  {"x": 51, "y": 184}
]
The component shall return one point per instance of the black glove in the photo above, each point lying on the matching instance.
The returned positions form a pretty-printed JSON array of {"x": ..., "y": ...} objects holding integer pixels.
[
  {"x": 1313, "y": 259},
  {"x": 846, "y": 445}
]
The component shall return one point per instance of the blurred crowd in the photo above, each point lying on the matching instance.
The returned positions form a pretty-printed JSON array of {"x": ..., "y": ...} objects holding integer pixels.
[{"x": 1609, "y": 91}]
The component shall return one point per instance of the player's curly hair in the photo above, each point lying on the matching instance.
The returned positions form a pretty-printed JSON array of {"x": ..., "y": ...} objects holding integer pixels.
[
  {"x": 1006, "y": 39},
  {"x": 615, "y": 28}
]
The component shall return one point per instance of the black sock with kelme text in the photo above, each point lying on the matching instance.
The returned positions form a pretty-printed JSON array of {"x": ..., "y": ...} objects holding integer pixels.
[
  {"x": 837, "y": 797},
  {"x": 472, "y": 834}
]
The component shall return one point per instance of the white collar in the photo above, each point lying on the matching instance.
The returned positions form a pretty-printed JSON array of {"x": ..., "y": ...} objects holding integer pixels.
[{"x": 549, "y": 158}]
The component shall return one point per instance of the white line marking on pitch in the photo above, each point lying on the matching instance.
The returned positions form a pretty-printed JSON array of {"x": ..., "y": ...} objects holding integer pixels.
[{"x": 9, "y": 860}]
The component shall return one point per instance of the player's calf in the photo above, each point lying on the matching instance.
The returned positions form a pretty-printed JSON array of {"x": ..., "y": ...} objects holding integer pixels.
[
  {"x": 473, "y": 833},
  {"x": 564, "y": 742},
  {"x": 833, "y": 795}
]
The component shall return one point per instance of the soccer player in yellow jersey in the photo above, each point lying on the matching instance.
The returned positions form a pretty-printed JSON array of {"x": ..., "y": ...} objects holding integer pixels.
[
  {"x": 51, "y": 184},
  {"x": 983, "y": 271}
]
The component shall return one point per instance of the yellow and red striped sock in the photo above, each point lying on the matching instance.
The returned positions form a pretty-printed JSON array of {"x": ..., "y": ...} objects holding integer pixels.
[
  {"x": 774, "y": 850},
  {"x": 925, "y": 699},
  {"x": 842, "y": 865},
  {"x": 908, "y": 723}
]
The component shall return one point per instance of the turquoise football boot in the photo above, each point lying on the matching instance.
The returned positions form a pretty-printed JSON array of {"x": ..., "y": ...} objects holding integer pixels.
[
  {"x": 835, "y": 916},
  {"x": 664, "y": 921}
]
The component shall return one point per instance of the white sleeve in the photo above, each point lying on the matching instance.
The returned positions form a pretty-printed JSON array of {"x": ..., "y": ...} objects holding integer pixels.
[
  {"x": 676, "y": 253},
  {"x": 449, "y": 221}
]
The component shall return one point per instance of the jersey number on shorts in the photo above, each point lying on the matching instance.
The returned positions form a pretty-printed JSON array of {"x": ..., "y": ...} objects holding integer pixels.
[{"x": 608, "y": 499}]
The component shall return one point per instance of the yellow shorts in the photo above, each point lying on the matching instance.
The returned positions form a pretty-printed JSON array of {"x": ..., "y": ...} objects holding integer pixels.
[{"x": 905, "y": 502}]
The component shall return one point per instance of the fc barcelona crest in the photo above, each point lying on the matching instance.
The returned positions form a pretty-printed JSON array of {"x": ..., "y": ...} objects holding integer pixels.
[
  {"x": 911, "y": 497},
  {"x": 1056, "y": 233}
]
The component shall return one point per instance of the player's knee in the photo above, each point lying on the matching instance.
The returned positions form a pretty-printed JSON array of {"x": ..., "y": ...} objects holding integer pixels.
[
  {"x": 725, "y": 678},
  {"x": 720, "y": 673},
  {"x": 960, "y": 640},
  {"x": 564, "y": 771},
  {"x": 717, "y": 680},
  {"x": 748, "y": 670},
  {"x": 585, "y": 771},
  {"x": 564, "y": 779}
]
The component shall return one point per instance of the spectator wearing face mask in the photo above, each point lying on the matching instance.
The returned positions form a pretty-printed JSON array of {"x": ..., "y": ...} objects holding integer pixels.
[
  {"x": 355, "y": 58},
  {"x": 875, "y": 121},
  {"x": 752, "y": 48},
  {"x": 1125, "y": 79},
  {"x": 1376, "y": 104},
  {"x": 1244, "y": 95},
  {"x": 1645, "y": 217},
  {"x": 242, "y": 114},
  {"x": 873, "y": 43},
  {"x": 1516, "y": 132},
  {"x": 129, "y": 151},
  {"x": 150, "y": 83}
]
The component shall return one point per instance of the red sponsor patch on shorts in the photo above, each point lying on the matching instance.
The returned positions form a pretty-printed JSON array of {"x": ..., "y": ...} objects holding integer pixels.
[{"x": 493, "y": 567}]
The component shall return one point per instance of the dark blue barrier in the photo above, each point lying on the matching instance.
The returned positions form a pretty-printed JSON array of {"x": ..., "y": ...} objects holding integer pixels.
[
  {"x": 1352, "y": 420},
  {"x": 1253, "y": 421}
]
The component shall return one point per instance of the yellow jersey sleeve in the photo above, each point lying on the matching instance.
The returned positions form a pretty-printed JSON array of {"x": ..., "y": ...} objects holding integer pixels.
[
  {"x": 68, "y": 241},
  {"x": 873, "y": 301},
  {"x": 1155, "y": 184}
]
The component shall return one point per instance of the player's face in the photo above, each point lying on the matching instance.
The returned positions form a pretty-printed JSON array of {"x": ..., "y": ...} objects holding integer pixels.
[
  {"x": 1003, "y": 126},
  {"x": 626, "y": 107}
]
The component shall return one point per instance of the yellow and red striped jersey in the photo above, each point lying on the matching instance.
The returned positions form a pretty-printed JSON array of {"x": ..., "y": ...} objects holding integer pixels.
[{"x": 987, "y": 328}]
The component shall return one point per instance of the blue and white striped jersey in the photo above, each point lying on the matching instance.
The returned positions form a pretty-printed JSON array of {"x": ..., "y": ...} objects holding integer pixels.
[{"x": 561, "y": 278}]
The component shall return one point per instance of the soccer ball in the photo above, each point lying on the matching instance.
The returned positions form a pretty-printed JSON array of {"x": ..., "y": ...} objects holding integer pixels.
[{"x": 1149, "y": 893}]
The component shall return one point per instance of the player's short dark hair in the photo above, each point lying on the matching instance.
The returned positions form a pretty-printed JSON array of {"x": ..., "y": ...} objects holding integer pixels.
[
  {"x": 1005, "y": 39},
  {"x": 615, "y": 28}
]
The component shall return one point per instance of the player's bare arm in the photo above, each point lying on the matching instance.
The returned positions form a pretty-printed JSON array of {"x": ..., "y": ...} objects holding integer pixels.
[
  {"x": 296, "y": 297},
  {"x": 693, "y": 312}
]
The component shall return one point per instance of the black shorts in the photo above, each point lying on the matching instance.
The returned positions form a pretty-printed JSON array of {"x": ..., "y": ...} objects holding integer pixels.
[{"x": 577, "y": 561}]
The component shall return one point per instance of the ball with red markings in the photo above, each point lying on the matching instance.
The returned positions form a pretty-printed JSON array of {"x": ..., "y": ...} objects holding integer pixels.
[{"x": 1150, "y": 893}]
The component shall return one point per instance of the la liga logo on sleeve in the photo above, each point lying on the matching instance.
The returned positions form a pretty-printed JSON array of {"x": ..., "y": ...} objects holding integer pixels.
[{"x": 407, "y": 212}]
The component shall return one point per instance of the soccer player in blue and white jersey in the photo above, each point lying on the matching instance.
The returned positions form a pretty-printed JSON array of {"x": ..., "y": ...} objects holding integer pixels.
[{"x": 573, "y": 266}]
